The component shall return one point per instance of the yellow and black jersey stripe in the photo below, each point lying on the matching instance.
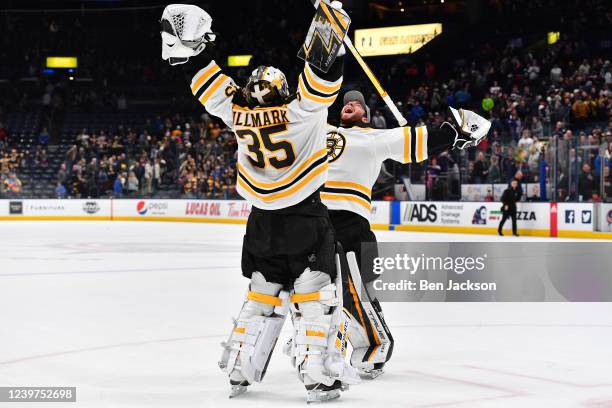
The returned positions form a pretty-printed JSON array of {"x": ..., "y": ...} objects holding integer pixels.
[
  {"x": 298, "y": 178},
  {"x": 314, "y": 89},
  {"x": 207, "y": 81},
  {"x": 349, "y": 191},
  {"x": 415, "y": 144}
]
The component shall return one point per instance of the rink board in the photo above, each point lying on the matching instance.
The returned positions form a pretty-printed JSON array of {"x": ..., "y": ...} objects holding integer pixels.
[{"x": 567, "y": 220}]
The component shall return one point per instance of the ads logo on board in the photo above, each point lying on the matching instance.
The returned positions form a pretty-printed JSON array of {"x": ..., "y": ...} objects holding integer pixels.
[
  {"x": 421, "y": 213},
  {"x": 91, "y": 207}
]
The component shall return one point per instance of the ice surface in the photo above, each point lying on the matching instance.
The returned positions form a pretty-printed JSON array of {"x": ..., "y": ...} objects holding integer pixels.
[{"x": 133, "y": 313}]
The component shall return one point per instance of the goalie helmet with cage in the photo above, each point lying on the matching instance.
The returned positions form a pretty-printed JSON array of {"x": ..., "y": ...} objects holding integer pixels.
[{"x": 267, "y": 86}]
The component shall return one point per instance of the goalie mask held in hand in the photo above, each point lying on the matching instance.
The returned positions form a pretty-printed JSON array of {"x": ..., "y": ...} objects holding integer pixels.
[{"x": 185, "y": 31}]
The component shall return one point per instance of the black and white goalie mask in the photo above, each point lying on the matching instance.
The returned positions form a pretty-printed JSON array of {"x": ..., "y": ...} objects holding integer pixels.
[{"x": 267, "y": 86}]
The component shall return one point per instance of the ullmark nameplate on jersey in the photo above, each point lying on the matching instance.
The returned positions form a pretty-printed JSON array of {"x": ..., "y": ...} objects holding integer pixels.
[
  {"x": 491, "y": 272},
  {"x": 324, "y": 37}
]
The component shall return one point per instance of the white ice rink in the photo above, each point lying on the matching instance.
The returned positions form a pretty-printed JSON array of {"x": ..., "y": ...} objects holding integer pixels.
[{"x": 132, "y": 315}]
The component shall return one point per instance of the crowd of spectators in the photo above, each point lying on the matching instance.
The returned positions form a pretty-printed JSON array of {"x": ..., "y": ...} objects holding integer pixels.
[
  {"x": 11, "y": 161},
  {"x": 194, "y": 159},
  {"x": 550, "y": 104},
  {"x": 533, "y": 98}
]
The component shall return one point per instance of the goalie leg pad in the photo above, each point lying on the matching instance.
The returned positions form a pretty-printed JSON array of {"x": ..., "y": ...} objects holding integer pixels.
[
  {"x": 247, "y": 352},
  {"x": 319, "y": 340},
  {"x": 368, "y": 332}
]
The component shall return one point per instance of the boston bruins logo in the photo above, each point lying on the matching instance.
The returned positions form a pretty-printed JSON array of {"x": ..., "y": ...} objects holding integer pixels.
[{"x": 335, "y": 146}]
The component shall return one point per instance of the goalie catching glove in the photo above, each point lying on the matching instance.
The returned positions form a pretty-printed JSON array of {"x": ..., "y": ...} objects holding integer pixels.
[
  {"x": 471, "y": 128},
  {"x": 185, "y": 31}
]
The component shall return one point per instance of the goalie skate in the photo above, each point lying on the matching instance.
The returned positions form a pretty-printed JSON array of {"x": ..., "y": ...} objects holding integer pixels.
[
  {"x": 322, "y": 393},
  {"x": 238, "y": 389}
]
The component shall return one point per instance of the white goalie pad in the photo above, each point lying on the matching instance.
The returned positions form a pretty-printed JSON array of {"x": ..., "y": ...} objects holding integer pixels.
[
  {"x": 318, "y": 346},
  {"x": 365, "y": 353},
  {"x": 253, "y": 338}
]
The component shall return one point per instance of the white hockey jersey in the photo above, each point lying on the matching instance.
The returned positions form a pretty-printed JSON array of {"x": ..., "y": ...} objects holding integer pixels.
[
  {"x": 355, "y": 157},
  {"x": 282, "y": 155}
]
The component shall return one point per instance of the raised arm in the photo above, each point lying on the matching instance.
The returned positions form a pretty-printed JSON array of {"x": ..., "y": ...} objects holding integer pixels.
[
  {"x": 416, "y": 144},
  {"x": 185, "y": 33}
]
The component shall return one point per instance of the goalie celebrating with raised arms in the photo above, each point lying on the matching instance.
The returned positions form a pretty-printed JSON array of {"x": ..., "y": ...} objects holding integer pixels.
[
  {"x": 289, "y": 248},
  {"x": 356, "y": 153}
]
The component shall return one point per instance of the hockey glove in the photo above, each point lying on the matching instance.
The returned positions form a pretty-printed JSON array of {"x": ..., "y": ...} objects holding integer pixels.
[{"x": 185, "y": 31}]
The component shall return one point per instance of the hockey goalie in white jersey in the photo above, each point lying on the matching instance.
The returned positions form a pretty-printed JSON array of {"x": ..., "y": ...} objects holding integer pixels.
[
  {"x": 356, "y": 153},
  {"x": 289, "y": 248}
]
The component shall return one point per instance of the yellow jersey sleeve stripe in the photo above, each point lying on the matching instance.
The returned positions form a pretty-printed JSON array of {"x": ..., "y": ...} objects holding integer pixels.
[
  {"x": 419, "y": 144},
  {"x": 349, "y": 184},
  {"x": 406, "y": 144},
  {"x": 424, "y": 144},
  {"x": 319, "y": 86},
  {"x": 204, "y": 77},
  {"x": 317, "y": 155},
  {"x": 304, "y": 92},
  {"x": 213, "y": 87},
  {"x": 339, "y": 197},
  {"x": 271, "y": 197}
]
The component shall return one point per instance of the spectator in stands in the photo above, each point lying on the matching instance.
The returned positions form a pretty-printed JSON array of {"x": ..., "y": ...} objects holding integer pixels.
[
  {"x": 378, "y": 120},
  {"x": 60, "y": 190},
  {"x": 4, "y": 164},
  {"x": 118, "y": 186},
  {"x": 494, "y": 172},
  {"x": 533, "y": 161},
  {"x": 481, "y": 169},
  {"x": 580, "y": 110},
  {"x": 537, "y": 129},
  {"x": 43, "y": 138},
  {"x": 608, "y": 184},
  {"x": 526, "y": 140},
  {"x": 132, "y": 184},
  {"x": 3, "y": 135},
  {"x": 13, "y": 185},
  {"x": 587, "y": 183},
  {"x": 433, "y": 172},
  {"x": 147, "y": 187}
]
